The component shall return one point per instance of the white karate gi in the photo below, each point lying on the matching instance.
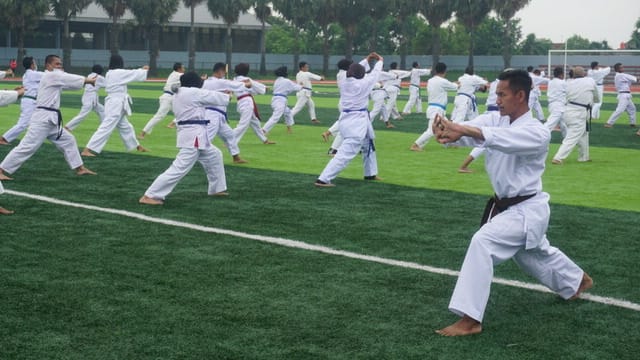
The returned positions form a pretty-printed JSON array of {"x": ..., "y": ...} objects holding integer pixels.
[
  {"x": 303, "y": 78},
  {"x": 465, "y": 105},
  {"x": 281, "y": 89},
  {"x": 492, "y": 97},
  {"x": 117, "y": 107},
  {"x": 557, "y": 98},
  {"x": 165, "y": 101},
  {"x": 2, "y": 74},
  {"x": 598, "y": 75},
  {"x": 534, "y": 95},
  {"x": 44, "y": 123},
  {"x": 379, "y": 96},
  {"x": 335, "y": 128},
  {"x": 515, "y": 162},
  {"x": 355, "y": 126},
  {"x": 30, "y": 82},
  {"x": 625, "y": 103},
  {"x": 414, "y": 90},
  {"x": 90, "y": 101},
  {"x": 247, "y": 109},
  {"x": 193, "y": 142},
  {"x": 6, "y": 97},
  {"x": 582, "y": 91},
  {"x": 217, "y": 115},
  {"x": 437, "y": 88},
  {"x": 393, "y": 87}
]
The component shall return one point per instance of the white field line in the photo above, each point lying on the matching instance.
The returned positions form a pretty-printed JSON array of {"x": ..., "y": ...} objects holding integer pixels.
[{"x": 322, "y": 249}]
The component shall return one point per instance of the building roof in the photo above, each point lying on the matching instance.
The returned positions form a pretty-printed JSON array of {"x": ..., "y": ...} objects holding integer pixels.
[{"x": 202, "y": 17}]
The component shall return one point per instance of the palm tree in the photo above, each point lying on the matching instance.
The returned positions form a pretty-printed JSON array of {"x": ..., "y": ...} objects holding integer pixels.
[
  {"x": 192, "y": 33},
  {"x": 471, "y": 13},
  {"x": 263, "y": 11},
  {"x": 324, "y": 15},
  {"x": 115, "y": 9},
  {"x": 22, "y": 16},
  {"x": 349, "y": 14},
  {"x": 65, "y": 10},
  {"x": 437, "y": 12},
  {"x": 229, "y": 11},
  {"x": 506, "y": 10},
  {"x": 298, "y": 13}
]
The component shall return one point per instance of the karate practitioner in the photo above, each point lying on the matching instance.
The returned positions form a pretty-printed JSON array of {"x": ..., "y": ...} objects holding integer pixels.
[
  {"x": 90, "y": 99},
  {"x": 355, "y": 126},
  {"x": 414, "y": 89},
  {"x": 582, "y": 93},
  {"x": 117, "y": 107},
  {"x": 625, "y": 103},
  {"x": 304, "y": 78},
  {"x": 165, "y": 100},
  {"x": 217, "y": 115},
  {"x": 8, "y": 97},
  {"x": 5, "y": 73},
  {"x": 598, "y": 74},
  {"x": 30, "y": 82},
  {"x": 246, "y": 105},
  {"x": 343, "y": 67},
  {"x": 557, "y": 97},
  {"x": 516, "y": 147},
  {"x": 437, "y": 88},
  {"x": 392, "y": 87},
  {"x": 193, "y": 141},
  {"x": 46, "y": 121},
  {"x": 465, "y": 104},
  {"x": 281, "y": 89},
  {"x": 538, "y": 79}
]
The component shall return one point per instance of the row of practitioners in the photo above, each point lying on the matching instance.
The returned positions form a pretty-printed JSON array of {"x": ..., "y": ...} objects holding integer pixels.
[{"x": 515, "y": 144}]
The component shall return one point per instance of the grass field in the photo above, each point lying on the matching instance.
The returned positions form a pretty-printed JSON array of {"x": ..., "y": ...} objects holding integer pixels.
[{"x": 282, "y": 270}]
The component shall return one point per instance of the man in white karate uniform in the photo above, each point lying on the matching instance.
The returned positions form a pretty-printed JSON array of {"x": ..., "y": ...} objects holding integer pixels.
[
  {"x": 437, "y": 88},
  {"x": 217, "y": 115},
  {"x": 516, "y": 219},
  {"x": 8, "y": 97},
  {"x": 392, "y": 87},
  {"x": 414, "y": 89},
  {"x": 557, "y": 98},
  {"x": 90, "y": 99},
  {"x": 46, "y": 121},
  {"x": 30, "y": 82},
  {"x": 165, "y": 100},
  {"x": 304, "y": 78},
  {"x": 193, "y": 141},
  {"x": 281, "y": 89},
  {"x": 582, "y": 93},
  {"x": 623, "y": 83},
  {"x": 246, "y": 105},
  {"x": 538, "y": 79},
  {"x": 465, "y": 104},
  {"x": 598, "y": 74}
]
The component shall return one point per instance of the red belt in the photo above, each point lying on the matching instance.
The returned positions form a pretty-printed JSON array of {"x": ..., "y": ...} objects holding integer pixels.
[{"x": 255, "y": 107}]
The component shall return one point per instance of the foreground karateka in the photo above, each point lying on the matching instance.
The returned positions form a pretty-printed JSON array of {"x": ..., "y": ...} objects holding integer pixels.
[
  {"x": 46, "y": 121},
  {"x": 189, "y": 104},
  {"x": 7, "y": 97},
  {"x": 516, "y": 218}
]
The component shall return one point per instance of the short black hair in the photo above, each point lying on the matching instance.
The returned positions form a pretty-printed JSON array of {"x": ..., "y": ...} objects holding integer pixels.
[
  {"x": 356, "y": 71},
  {"x": 49, "y": 58},
  {"x": 281, "y": 71},
  {"x": 468, "y": 70},
  {"x": 557, "y": 71},
  {"x": 529, "y": 68},
  {"x": 116, "y": 62},
  {"x": 27, "y": 62},
  {"x": 617, "y": 67},
  {"x": 242, "y": 69},
  {"x": 344, "y": 64},
  {"x": 98, "y": 69},
  {"x": 218, "y": 66},
  {"x": 594, "y": 64},
  {"x": 302, "y": 64},
  {"x": 441, "y": 68},
  {"x": 191, "y": 79},
  {"x": 415, "y": 64},
  {"x": 393, "y": 65},
  {"x": 177, "y": 66},
  {"x": 518, "y": 80}
]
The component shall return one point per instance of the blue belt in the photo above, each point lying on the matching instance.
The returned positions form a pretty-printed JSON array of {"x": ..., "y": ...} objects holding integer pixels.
[
  {"x": 493, "y": 108},
  {"x": 193, "y": 122},
  {"x": 353, "y": 110},
  {"x": 438, "y": 105},
  {"x": 218, "y": 111},
  {"x": 282, "y": 95},
  {"x": 473, "y": 99}
]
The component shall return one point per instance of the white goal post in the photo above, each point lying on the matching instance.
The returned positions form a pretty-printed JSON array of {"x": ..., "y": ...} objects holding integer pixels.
[{"x": 567, "y": 58}]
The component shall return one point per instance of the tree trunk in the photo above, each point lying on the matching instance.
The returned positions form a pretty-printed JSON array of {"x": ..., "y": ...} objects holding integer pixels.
[
  {"x": 506, "y": 45},
  {"x": 325, "y": 53},
  {"x": 436, "y": 46},
  {"x": 263, "y": 50},
  {"x": 296, "y": 48},
  {"x": 350, "y": 35},
  {"x": 229, "y": 44},
  {"x": 192, "y": 42},
  {"x": 21, "y": 51},
  {"x": 66, "y": 45},
  {"x": 154, "y": 45},
  {"x": 115, "y": 36},
  {"x": 472, "y": 44}
]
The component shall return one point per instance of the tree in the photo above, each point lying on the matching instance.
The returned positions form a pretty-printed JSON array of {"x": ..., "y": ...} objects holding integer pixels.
[
  {"x": 349, "y": 13},
  {"x": 65, "y": 10},
  {"x": 191, "y": 4},
  {"x": 324, "y": 15},
  {"x": 471, "y": 13},
  {"x": 229, "y": 11},
  {"x": 405, "y": 10},
  {"x": 634, "y": 42},
  {"x": 533, "y": 46},
  {"x": 263, "y": 11},
  {"x": 22, "y": 16},
  {"x": 115, "y": 9},
  {"x": 577, "y": 42},
  {"x": 506, "y": 10},
  {"x": 437, "y": 12},
  {"x": 298, "y": 13},
  {"x": 151, "y": 19}
]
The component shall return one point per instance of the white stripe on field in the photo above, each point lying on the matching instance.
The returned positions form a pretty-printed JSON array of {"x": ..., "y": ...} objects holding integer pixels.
[{"x": 322, "y": 249}]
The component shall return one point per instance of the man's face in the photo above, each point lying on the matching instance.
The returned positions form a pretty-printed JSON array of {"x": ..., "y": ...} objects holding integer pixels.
[
  {"x": 508, "y": 101},
  {"x": 55, "y": 64},
  {"x": 305, "y": 68}
]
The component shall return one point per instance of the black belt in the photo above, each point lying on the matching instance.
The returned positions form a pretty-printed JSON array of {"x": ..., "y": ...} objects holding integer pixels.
[
  {"x": 59, "y": 118},
  {"x": 168, "y": 92},
  {"x": 495, "y": 205},
  {"x": 624, "y": 92},
  {"x": 193, "y": 122},
  {"x": 586, "y": 106}
]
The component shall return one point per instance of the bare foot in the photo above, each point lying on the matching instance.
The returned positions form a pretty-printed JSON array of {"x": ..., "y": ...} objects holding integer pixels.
[
  {"x": 4, "y": 177},
  {"x": 389, "y": 125},
  {"x": 87, "y": 152},
  {"x": 269, "y": 142},
  {"x": 4, "y": 142},
  {"x": 465, "y": 170},
  {"x": 141, "y": 136},
  {"x": 84, "y": 171},
  {"x": 585, "y": 284},
  {"x": 327, "y": 134},
  {"x": 69, "y": 130},
  {"x": 415, "y": 147},
  {"x": 289, "y": 130},
  {"x": 141, "y": 149},
  {"x": 171, "y": 125},
  {"x": 238, "y": 160},
  {"x": 4, "y": 211},
  {"x": 150, "y": 201},
  {"x": 607, "y": 125},
  {"x": 221, "y": 193},
  {"x": 315, "y": 121},
  {"x": 374, "y": 178},
  {"x": 462, "y": 327}
]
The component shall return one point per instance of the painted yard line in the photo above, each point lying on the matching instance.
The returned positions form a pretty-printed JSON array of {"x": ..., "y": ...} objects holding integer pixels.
[{"x": 322, "y": 249}]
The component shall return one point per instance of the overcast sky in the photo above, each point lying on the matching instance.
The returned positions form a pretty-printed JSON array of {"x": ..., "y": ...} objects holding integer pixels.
[{"x": 596, "y": 20}]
